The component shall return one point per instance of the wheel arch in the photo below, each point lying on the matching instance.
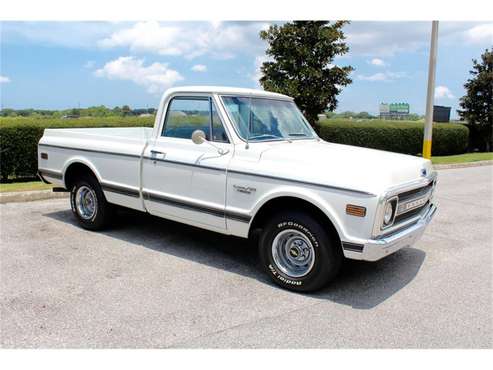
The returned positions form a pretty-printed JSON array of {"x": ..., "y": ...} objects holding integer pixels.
[
  {"x": 76, "y": 167},
  {"x": 293, "y": 202}
]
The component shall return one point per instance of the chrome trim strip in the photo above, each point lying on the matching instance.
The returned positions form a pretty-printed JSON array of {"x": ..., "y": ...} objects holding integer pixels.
[
  {"x": 395, "y": 190},
  {"x": 123, "y": 190},
  {"x": 185, "y": 164},
  {"x": 51, "y": 173},
  {"x": 303, "y": 182},
  {"x": 90, "y": 150},
  {"x": 214, "y": 211}
]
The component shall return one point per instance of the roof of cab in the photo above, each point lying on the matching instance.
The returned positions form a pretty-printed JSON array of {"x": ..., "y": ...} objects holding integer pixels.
[{"x": 226, "y": 91}]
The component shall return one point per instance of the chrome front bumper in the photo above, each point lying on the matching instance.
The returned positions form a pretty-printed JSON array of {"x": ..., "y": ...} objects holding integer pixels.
[{"x": 375, "y": 249}]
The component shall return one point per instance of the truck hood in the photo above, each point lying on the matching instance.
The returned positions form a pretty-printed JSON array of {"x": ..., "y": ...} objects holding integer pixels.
[{"x": 344, "y": 166}]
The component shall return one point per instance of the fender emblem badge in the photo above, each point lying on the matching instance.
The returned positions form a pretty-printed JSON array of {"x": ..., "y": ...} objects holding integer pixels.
[{"x": 244, "y": 189}]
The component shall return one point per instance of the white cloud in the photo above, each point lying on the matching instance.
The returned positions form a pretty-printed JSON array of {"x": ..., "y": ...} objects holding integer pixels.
[
  {"x": 199, "y": 68},
  {"x": 443, "y": 92},
  {"x": 226, "y": 39},
  {"x": 4, "y": 79},
  {"x": 89, "y": 64},
  {"x": 383, "y": 39},
  {"x": 220, "y": 40},
  {"x": 155, "y": 77},
  {"x": 257, "y": 74},
  {"x": 382, "y": 76},
  {"x": 65, "y": 34},
  {"x": 377, "y": 62},
  {"x": 482, "y": 33}
]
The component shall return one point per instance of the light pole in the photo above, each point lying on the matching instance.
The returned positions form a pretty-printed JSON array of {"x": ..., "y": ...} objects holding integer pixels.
[{"x": 431, "y": 90}]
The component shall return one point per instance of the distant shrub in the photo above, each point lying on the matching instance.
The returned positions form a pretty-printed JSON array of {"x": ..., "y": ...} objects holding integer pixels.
[
  {"x": 19, "y": 137},
  {"x": 396, "y": 136}
]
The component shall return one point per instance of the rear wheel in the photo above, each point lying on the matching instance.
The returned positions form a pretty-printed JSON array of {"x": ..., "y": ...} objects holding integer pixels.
[
  {"x": 89, "y": 204},
  {"x": 298, "y": 253}
]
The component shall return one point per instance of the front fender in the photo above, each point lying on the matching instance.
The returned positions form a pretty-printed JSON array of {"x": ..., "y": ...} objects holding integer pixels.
[{"x": 311, "y": 196}]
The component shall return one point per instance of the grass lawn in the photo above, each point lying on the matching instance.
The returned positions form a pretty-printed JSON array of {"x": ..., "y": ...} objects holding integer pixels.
[
  {"x": 463, "y": 158},
  {"x": 24, "y": 186}
]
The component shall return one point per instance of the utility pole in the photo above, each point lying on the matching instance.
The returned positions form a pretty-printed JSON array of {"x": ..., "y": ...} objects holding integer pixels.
[{"x": 431, "y": 90}]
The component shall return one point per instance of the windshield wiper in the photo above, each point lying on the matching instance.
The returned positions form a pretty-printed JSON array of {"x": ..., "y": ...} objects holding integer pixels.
[
  {"x": 297, "y": 134},
  {"x": 264, "y": 136}
]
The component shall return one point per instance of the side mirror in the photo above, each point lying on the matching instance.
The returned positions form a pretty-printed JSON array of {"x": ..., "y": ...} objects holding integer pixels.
[{"x": 198, "y": 137}]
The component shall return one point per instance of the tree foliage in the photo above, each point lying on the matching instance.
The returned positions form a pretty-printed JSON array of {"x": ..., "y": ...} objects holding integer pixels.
[
  {"x": 95, "y": 111},
  {"x": 477, "y": 104},
  {"x": 301, "y": 65}
]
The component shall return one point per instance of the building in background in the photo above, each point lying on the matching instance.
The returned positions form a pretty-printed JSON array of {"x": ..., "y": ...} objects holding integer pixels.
[
  {"x": 441, "y": 113},
  {"x": 394, "y": 111}
]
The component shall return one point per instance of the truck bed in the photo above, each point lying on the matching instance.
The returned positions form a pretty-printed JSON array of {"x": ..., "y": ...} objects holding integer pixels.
[{"x": 114, "y": 154}]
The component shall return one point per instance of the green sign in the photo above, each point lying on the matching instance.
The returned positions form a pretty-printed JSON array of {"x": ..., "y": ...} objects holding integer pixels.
[{"x": 399, "y": 108}]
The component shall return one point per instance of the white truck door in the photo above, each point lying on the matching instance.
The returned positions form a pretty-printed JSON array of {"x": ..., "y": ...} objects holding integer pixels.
[{"x": 182, "y": 180}]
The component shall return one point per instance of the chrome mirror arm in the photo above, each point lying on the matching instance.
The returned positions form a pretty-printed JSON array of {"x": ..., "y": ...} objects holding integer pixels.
[{"x": 221, "y": 151}]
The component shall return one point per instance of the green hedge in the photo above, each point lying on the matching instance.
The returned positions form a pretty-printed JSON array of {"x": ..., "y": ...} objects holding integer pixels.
[
  {"x": 19, "y": 138},
  {"x": 396, "y": 136}
]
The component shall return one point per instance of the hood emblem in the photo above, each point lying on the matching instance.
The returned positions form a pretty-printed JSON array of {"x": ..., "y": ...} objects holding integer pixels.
[{"x": 423, "y": 172}]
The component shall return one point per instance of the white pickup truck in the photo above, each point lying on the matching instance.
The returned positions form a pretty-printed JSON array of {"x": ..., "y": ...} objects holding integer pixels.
[{"x": 246, "y": 162}]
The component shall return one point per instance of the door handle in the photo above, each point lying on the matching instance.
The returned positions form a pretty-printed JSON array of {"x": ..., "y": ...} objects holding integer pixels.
[{"x": 156, "y": 152}]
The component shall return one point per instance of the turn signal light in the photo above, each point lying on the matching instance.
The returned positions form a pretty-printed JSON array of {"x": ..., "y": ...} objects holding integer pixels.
[{"x": 357, "y": 211}]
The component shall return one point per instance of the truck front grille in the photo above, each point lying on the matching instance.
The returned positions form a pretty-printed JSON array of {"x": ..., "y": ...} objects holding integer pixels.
[
  {"x": 412, "y": 202},
  {"x": 410, "y": 214}
]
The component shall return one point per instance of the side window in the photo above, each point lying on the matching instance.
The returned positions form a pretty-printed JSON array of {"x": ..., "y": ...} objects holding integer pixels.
[
  {"x": 185, "y": 115},
  {"x": 218, "y": 132}
]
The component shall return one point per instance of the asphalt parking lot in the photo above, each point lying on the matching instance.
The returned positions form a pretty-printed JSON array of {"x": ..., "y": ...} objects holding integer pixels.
[{"x": 150, "y": 283}]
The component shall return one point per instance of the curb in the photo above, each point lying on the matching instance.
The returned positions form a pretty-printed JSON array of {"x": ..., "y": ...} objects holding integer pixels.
[
  {"x": 28, "y": 196},
  {"x": 462, "y": 165}
]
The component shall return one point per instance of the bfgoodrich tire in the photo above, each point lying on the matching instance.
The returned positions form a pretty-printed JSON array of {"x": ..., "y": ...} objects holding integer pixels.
[
  {"x": 298, "y": 253},
  {"x": 89, "y": 204}
]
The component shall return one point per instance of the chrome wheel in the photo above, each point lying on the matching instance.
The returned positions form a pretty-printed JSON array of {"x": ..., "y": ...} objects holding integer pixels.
[
  {"x": 86, "y": 202},
  {"x": 293, "y": 253}
]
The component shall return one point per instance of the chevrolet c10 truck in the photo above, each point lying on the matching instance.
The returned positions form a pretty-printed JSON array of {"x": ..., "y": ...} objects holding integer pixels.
[{"x": 246, "y": 162}]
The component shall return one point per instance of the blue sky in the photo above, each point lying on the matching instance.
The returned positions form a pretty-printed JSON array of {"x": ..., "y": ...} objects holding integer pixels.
[{"x": 55, "y": 65}]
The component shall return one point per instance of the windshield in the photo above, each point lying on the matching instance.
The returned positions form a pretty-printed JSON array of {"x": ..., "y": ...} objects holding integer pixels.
[{"x": 258, "y": 119}]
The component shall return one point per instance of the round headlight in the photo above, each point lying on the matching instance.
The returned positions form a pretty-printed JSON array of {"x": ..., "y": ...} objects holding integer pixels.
[{"x": 389, "y": 211}]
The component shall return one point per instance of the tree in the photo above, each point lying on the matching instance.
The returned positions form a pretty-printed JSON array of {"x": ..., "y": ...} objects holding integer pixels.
[
  {"x": 302, "y": 53},
  {"x": 477, "y": 104},
  {"x": 126, "y": 110},
  {"x": 117, "y": 111},
  {"x": 75, "y": 112}
]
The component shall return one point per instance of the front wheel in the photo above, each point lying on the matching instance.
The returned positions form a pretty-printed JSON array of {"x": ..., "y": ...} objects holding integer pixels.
[
  {"x": 298, "y": 253},
  {"x": 89, "y": 204}
]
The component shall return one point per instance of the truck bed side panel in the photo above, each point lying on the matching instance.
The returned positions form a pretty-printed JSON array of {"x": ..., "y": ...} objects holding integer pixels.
[{"x": 114, "y": 155}]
